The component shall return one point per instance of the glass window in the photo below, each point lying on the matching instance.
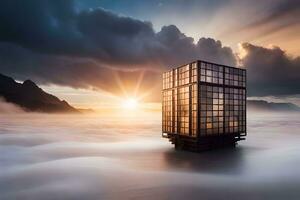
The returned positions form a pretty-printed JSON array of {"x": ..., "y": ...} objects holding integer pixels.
[{"x": 222, "y": 108}]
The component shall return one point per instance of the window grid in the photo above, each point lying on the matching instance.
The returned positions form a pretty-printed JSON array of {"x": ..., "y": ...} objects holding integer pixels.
[
  {"x": 183, "y": 110},
  {"x": 235, "y": 77},
  {"x": 211, "y": 73},
  {"x": 194, "y": 72},
  {"x": 175, "y": 77},
  {"x": 219, "y": 97},
  {"x": 167, "y": 118},
  {"x": 175, "y": 106},
  {"x": 184, "y": 75},
  {"x": 168, "y": 79},
  {"x": 194, "y": 109},
  {"x": 235, "y": 110},
  {"x": 211, "y": 110}
]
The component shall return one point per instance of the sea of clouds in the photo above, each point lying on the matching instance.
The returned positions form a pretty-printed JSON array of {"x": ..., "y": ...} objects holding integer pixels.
[{"x": 93, "y": 156}]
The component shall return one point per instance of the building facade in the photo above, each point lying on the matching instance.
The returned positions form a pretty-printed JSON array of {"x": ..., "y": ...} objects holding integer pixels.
[{"x": 204, "y": 105}]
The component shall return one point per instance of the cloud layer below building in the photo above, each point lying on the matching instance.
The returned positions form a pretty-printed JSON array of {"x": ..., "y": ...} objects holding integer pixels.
[{"x": 100, "y": 157}]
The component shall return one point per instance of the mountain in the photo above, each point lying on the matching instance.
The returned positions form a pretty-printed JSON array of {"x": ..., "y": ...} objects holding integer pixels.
[
  {"x": 30, "y": 97},
  {"x": 260, "y": 105}
]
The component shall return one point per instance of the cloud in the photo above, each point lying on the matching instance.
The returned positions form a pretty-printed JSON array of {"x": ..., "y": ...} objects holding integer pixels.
[
  {"x": 43, "y": 26},
  {"x": 89, "y": 157},
  {"x": 264, "y": 21},
  {"x": 22, "y": 64},
  {"x": 57, "y": 43},
  {"x": 9, "y": 108},
  {"x": 52, "y": 42},
  {"x": 283, "y": 14},
  {"x": 56, "y": 28},
  {"x": 270, "y": 71},
  {"x": 212, "y": 50}
]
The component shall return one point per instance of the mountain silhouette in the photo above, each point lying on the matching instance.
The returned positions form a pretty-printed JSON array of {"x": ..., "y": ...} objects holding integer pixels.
[{"x": 30, "y": 97}]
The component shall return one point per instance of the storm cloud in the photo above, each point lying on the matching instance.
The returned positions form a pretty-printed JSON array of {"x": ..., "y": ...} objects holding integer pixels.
[
  {"x": 271, "y": 71},
  {"x": 54, "y": 42},
  {"x": 54, "y": 27}
]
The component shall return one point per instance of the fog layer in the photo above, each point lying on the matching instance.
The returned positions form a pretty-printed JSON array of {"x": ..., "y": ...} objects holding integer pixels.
[
  {"x": 96, "y": 157},
  {"x": 9, "y": 108}
]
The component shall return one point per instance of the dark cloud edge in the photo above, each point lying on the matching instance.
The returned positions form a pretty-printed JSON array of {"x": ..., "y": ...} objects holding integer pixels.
[{"x": 88, "y": 48}]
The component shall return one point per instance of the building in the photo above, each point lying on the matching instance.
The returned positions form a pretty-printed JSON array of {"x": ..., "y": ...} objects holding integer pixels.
[{"x": 204, "y": 106}]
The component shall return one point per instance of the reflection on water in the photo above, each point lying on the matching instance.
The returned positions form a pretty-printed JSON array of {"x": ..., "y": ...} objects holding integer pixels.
[{"x": 96, "y": 157}]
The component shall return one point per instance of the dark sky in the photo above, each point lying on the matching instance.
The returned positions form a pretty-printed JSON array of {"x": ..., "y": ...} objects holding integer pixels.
[{"x": 95, "y": 44}]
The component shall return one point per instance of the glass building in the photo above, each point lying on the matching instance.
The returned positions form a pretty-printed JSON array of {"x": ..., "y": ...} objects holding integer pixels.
[{"x": 204, "y": 105}]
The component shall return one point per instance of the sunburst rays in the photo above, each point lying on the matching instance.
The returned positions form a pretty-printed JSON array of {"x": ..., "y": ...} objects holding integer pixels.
[{"x": 135, "y": 93}]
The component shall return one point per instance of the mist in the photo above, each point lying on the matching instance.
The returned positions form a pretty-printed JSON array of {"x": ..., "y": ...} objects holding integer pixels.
[
  {"x": 9, "y": 108},
  {"x": 93, "y": 156}
]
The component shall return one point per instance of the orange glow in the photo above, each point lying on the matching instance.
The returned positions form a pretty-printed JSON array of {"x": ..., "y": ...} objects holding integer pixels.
[
  {"x": 132, "y": 94},
  {"x": 130, "y": 104},
  {"x": 242, "y": 52}
]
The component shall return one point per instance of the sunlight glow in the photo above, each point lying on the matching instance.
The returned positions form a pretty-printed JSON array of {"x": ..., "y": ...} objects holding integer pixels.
[{"x": 130, "y": 103}]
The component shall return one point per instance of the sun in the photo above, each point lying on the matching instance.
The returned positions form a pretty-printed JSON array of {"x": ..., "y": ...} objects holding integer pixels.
[{"x": 130, "y": 103}]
